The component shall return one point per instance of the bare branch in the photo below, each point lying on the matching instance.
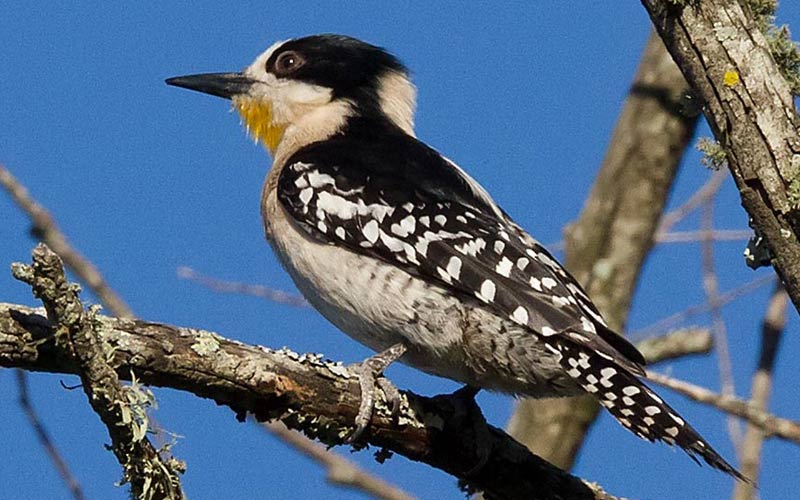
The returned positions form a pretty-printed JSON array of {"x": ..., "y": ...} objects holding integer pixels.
[
  {"x": 706, "y": 192},
  {"x": 75, "y": 336},
  {"x": 769, "y": 424},
  {"x": 223, "y": 286},
  {"x": 340, "y": 471},
  {"x": 684, "y": 237},
  {"x": 771, "y": 332},
  {"x": 676, "y": 344},
  {"x": 711, "y": 287},
  {"x": 44, "y": 227},
  {"x": 44, "y": 438},
  {"x": 698, "y": 236},
  {"x": 317, "y": 397}
]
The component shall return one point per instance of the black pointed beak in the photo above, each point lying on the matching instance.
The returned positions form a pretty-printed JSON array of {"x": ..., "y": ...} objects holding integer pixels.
[{"x": 225, "y": 85}]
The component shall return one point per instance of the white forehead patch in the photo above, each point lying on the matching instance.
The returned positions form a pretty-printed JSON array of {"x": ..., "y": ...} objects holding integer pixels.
[{"x": 258, "y": 68}]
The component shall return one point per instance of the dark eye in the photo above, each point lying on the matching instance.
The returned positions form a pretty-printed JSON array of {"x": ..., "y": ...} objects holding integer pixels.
[{"x": 288, "y": 62}]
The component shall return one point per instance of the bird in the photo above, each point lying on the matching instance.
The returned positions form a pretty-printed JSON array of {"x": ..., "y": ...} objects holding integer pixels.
[{"x": 403, "y": 251}]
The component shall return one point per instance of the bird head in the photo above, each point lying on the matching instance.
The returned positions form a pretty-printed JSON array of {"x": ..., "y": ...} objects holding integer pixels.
[{"x": 317, "y": 81}]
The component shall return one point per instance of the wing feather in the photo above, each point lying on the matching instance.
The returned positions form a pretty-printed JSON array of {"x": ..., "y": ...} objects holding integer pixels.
[{"x": 465, "y": 248}]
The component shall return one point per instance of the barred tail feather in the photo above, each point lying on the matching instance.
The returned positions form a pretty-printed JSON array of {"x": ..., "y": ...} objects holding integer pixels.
[{"x": 635, "y": 405}]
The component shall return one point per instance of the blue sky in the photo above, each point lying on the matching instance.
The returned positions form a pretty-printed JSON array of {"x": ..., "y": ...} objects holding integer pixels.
[{"x": 145, "y": 178}]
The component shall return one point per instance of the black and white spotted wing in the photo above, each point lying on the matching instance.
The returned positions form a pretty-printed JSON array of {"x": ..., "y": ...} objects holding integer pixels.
[
  {"x": 470, "y": 247},
  {"x": 452, "y": 240}
]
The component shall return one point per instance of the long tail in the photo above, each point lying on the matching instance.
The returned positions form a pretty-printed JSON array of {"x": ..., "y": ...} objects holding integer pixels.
[{"x": 635, "y": 405}]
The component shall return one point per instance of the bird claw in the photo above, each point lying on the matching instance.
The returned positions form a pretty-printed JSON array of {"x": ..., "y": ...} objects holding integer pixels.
[
  {"x": 370, "y": 376},
  {"x": 391, "y": 393}
]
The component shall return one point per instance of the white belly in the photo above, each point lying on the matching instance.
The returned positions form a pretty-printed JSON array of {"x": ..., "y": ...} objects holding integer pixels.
[{"x": 374, "y": 302}]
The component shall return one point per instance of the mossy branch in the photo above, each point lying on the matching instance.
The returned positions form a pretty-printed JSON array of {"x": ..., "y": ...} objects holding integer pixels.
[
  {"x": 74, "y": 334},
  {"x": 744, "y": 72}
]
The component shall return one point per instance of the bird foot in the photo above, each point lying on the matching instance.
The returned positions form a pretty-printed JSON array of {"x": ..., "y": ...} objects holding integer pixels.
[{"x": 370, "y": 377}]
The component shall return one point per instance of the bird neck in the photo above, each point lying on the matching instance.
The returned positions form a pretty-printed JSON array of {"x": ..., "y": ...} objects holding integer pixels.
[
  {"x": 397, "y": 99},
  {"x": 314, "y": 125}
]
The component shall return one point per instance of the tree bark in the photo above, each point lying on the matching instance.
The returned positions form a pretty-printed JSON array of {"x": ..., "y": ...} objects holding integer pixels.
[
  {"x": 607, "y": 246},
  {"x": 750, "y": 108}
]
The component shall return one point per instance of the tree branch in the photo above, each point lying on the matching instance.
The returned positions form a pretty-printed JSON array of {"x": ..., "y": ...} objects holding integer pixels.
[
  {"x": 707, "y": 191},
  {"x": 722, "y": 299},
  {"x": 223, "y": 286},
  {"x": 340, "y": 471},
  {"x": 49, "y": 446},
  {"x": 770, "y": 424},
  {"x": 74, "y": 336},
  {"x": 713, "y": 235},
  {"x": 720, "y": 332},
  {"x": 761, "y": 389},
  {"x": 317, "y": 397},
  {"x": 676, "y": 344},
  {"x": 749, "y": 106}
]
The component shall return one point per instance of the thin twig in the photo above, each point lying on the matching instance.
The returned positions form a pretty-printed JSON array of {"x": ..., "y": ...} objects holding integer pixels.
[
  {"x": 771, "y": 425},
  {"x": 711, "y": 287},
  {"x": 685, "y": 237},
  {"x": 771, "y": 332},
  {"x": 706, "y": 192},
  {"x": 670, "y": 219},
  {"x": 223, "y": 286},
  {"x": 44, "y": 438},
  {"x": 45, "y": 229},
  {"x": 340, "y": 471},
  {"x": 698, "y": 236},
  {"x": 689, "y": 312}
]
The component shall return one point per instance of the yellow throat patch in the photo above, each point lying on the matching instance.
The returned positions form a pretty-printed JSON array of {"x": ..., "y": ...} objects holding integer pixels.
[{"x": 257, "y": 119}]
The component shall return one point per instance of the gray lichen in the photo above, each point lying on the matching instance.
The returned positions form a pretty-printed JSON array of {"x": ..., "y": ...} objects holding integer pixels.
[
  {"x": 714, "y": 156},
  {"x": 206, "y": 343}
]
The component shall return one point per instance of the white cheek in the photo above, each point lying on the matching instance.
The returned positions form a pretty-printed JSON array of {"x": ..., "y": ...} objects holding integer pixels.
[
  {"x": 291, "y": 100},
  {"x": 305, "y": 94}
]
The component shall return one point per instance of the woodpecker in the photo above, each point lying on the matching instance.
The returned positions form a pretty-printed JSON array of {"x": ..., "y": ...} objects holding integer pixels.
[{"x": 406, "y": 253}]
